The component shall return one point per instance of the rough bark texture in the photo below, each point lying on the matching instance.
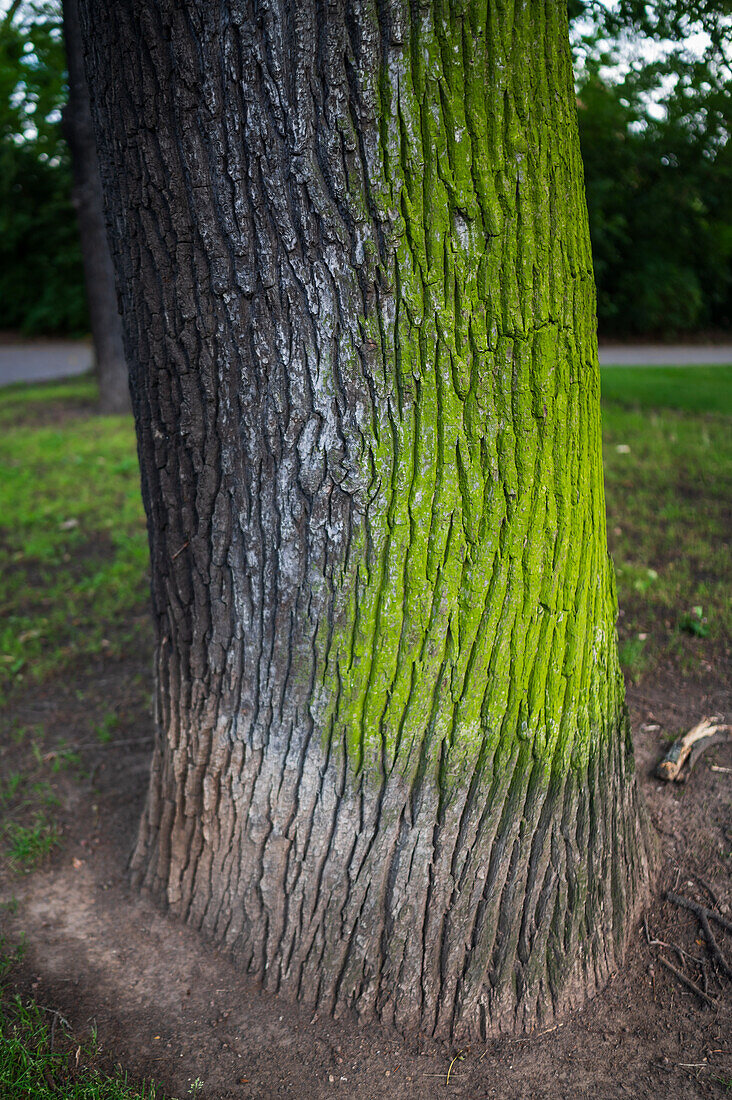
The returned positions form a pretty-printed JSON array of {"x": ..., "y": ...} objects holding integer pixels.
[
  {"x": 393, "y": 769},
  {"x": 101, "y": 293}
]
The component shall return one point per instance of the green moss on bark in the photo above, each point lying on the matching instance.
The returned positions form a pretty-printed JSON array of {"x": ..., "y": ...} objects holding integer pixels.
[{"x": 480, "y": 598}]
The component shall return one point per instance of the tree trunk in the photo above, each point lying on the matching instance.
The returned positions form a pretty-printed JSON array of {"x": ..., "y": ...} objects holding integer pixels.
[
  {"x": 393, "y": 769},
  {"x": 101, "y": 293}
]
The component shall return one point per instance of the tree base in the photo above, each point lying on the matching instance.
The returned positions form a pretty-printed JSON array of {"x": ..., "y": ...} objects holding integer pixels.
[{"x": 496, "y": 909}]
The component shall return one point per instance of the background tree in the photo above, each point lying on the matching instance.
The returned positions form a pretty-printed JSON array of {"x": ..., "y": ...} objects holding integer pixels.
[
  {"x": 392, "y": 769},
  {"x": 101, "y": 293},
  {"x": 50, "y": 193}
]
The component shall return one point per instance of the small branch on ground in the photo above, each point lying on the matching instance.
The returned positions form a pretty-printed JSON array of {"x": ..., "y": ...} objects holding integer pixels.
[
  {"x": 708, "y": 732},
  {"x": 704, "y": 915},
  {"x": 695, "y": 907},
  {"x": 707, "y": 886},
  {"x": 688, "y": 982}
]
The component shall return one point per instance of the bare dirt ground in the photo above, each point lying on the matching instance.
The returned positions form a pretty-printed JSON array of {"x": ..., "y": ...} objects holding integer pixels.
[{"x": 167, "y": 1005}]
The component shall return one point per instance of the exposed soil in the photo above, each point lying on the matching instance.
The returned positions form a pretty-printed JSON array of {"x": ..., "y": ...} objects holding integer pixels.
[{"x": 168, "y": 1005}]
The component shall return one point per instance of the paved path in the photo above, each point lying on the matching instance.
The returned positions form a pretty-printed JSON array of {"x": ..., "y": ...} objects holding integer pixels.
[
  {"x": 41, "y": 360},
  {"x": 665, "y": 355}
]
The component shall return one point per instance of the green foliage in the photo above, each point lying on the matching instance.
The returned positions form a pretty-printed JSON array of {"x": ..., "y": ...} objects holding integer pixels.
[
  {"x": 654, "y": 123},
  {"x": 41, "y": 280},
  {"x": 32, "y": 76}
]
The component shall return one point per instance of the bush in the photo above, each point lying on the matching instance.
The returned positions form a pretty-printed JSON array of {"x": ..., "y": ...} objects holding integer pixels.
[{"x": 660, "y": 296}]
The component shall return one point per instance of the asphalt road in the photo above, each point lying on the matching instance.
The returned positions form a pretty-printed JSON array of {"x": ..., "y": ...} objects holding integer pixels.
[
  {"x": 665, "y": 355},
  {"x": 42, "y": 360}
]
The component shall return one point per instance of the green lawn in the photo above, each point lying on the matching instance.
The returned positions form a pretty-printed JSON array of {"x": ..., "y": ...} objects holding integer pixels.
[
  {"x": 73, "y": 550},
  {"x": 690, "y": 389},
  {"x": 668, "y": 484}
]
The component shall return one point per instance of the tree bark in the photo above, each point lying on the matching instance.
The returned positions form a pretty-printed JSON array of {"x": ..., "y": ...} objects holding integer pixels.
[
  {"x": 393, "y": 769},
  {"x": 101, "y": 293}
]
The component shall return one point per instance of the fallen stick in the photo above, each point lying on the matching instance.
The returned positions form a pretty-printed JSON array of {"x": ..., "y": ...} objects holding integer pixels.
[
  {"x": 697, "y": 740},
  {"x": 703, "y": 914},
  {"x": 714, "y": 947},
  {"x": 688, "y": 982},
  {"x": 703, "y": 882},
  {"x": 719, "y": 737},
  {"x": 695, "y": 907}
]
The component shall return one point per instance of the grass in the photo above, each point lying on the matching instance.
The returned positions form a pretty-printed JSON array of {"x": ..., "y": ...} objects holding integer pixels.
[
  {"x": 29, "y": 845},
  {"x": 690, "y": 389},
  {"x": 47, "y": 400},
  {"x": 41, "y": 1059},
  {"x": 27, "y": 828},
  {"x": 73, "y": 550},
  {"x": 668, "y": 483}
]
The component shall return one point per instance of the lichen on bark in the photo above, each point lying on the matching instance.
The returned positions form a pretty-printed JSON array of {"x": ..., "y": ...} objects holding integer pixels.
[{"x": 393, "y": 769}]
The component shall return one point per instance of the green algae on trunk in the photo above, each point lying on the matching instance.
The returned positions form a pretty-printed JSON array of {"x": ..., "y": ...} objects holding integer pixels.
[{"x": 393, "y": 770}]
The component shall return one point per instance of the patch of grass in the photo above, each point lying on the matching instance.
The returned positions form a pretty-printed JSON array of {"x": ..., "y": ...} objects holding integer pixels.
[
  {"x": 24, "y": 403},
  {"x": 694, "y": 622},
  {"x": 41, "y": 1059},
  {"x": 28, "y": 833},
  {"x": 668, "y": 483},
  {"x": 633, "y": 657},
  {"x": 691, "y": 389},
  {"x": 29, "y": 845},
  {"x": 106, "y": 727},
  {"x": 73, "y": 549},
  {"x": 10, "y": 786}
]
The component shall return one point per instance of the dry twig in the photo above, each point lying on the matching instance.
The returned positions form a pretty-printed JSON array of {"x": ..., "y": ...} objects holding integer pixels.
[
  {"x": 708, "y": 732},
  {"x": 695, "y": 907},
  {"x": 703, "y": 915},
  {"x": 688, "y": 982}
]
